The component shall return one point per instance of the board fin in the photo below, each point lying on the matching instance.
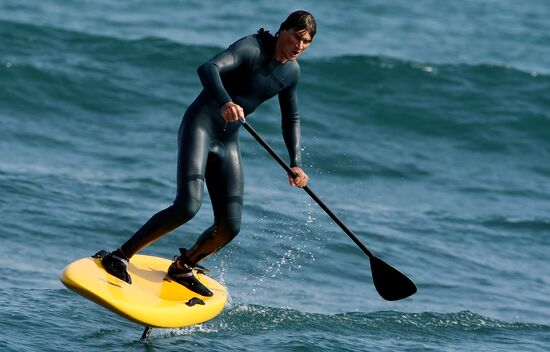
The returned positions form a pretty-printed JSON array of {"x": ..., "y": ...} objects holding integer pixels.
[{"x": 146, "y": 332}]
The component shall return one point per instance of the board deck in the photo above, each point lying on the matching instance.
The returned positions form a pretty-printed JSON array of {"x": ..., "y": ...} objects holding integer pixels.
[{"x": 152, "y": 300}]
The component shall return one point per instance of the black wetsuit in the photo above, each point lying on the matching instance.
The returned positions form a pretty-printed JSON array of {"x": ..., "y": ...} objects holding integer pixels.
[{"x": 208, "y": 147}]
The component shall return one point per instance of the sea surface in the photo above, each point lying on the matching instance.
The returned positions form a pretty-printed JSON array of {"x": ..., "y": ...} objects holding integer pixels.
[{"x": 426, "y": 128}]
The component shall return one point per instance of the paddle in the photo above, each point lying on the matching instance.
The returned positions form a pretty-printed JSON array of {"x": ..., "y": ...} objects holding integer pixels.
[{"x": 390, "y": 283}]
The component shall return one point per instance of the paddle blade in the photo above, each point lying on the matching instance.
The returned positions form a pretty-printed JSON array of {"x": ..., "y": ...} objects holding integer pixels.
[{"x": 390, "y": 283}]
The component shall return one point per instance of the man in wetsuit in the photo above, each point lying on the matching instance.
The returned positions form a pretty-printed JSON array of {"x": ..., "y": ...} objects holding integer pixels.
[{"x": 236, "y": 81}]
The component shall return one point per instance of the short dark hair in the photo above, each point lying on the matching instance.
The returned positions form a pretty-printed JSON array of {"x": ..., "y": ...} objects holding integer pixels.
[{"x": 299, "y": 20}]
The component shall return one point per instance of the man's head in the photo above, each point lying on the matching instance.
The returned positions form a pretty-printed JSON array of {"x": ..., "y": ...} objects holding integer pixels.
[
  {"x": 299, "y": 21},
  {"x": 295, "y": 35}
]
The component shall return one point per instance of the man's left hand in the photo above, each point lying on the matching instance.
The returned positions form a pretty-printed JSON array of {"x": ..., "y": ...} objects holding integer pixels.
[{"x": 301, "y": 178}]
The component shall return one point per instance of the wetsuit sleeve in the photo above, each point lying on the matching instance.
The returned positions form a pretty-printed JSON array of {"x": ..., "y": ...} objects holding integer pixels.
[
  {"x": 290, "y": 124},
  {"x": 210, "y": 73}
]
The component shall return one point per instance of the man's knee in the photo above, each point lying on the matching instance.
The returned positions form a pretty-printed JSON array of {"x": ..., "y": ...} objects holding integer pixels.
[
  {"x": 186, "y": 209},
  {"x": 230, "y": 226}
]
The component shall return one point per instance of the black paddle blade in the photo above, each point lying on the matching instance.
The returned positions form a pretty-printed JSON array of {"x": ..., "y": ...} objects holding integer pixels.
[{"x": 390, "y": 283}]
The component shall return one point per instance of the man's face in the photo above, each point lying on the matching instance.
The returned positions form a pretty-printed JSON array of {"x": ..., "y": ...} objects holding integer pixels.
[{"x": 292, "y": 43}]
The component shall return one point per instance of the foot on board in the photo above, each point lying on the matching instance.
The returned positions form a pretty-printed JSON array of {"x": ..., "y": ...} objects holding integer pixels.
[
  {"x": 181, "y": 271},
  {"x": 116, "y": 265}
]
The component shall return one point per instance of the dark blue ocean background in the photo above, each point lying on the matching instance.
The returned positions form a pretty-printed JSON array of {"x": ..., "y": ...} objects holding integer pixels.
[{"x": 426, "y": 127}]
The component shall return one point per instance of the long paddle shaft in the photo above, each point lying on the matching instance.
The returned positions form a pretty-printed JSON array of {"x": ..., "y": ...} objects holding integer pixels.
[{"x": 390, "y": 283}]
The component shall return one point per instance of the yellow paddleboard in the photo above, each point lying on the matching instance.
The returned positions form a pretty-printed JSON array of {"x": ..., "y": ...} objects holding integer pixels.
[{"x": 152, "y": 300}]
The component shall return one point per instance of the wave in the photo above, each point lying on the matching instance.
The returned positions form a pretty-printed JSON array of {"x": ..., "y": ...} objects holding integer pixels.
[
  {"x": 246, "y": 318},
  {"x": 482, "y": 107},
  {"x": 245, "y": 324},
  {"x": 485, "y": 107},
  {"x": 360, "y": 331},
  {"x": 63, "y": 71},
  {"x": 46, "y": 35}
]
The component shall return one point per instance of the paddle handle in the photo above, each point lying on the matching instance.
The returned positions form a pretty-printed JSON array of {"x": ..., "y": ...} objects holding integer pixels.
[{"x": 308, "y": 190}]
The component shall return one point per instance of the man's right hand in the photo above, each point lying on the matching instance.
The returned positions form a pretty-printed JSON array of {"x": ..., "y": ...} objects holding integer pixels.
[{"x": 232, "y": 112}]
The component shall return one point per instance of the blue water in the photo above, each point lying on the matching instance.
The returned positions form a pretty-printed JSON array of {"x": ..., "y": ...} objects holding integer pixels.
[{"x": 426, "y": 128}]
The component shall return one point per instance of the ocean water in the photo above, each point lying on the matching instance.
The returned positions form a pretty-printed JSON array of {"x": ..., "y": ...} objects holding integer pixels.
[{"x": 426, "y": 128}]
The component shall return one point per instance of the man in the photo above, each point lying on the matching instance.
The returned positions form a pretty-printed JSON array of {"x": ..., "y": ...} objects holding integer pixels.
[{"x": 236, "y": 81}]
